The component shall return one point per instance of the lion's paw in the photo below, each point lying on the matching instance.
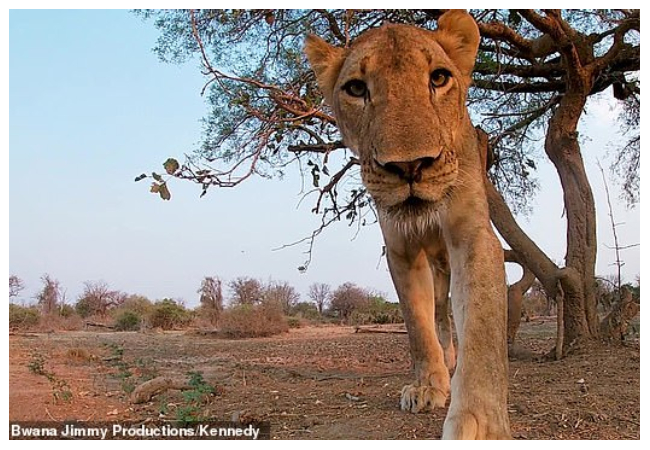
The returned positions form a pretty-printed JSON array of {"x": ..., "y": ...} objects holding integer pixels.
[
  {"x": 471, "y": 425},
  {"x": 416, "y": 398}
]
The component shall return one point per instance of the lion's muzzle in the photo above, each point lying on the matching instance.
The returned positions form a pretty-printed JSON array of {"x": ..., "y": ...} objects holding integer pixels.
[{"x": 408, "y": 171}]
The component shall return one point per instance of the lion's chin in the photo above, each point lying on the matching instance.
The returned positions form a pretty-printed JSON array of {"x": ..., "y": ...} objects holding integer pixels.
[{"x": 413, "y": 216}]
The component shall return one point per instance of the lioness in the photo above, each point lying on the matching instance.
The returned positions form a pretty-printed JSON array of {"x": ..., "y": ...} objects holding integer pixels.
[{"x": 398, "y": 93}]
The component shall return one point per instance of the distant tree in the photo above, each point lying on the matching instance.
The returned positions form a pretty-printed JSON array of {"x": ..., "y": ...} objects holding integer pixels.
[
  {"x": 347, "y": 298},
  {"x": 246, "y": 291},
  {"x": 51, "y": 295},
  {"x": 133, "y": 313},
  {"x": 98, "y": 298},
  {"x": 516, "y": 292},
  {"x": 282, "y": 293},
  {"x": 380, "y": 311},
  {"x": 211, "y": 294},
  {"x": 537, "y": 303},
  {"x": 306, "y": 310},
  {"x": 169, "y": 314},
  {"x": 138, "y": 303},
  {"x": 319, "y": 293},
  {"x": 16, "y": 285}
]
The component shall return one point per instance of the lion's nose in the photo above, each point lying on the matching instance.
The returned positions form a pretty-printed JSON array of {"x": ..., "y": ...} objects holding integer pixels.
[{"x": 409, "y": 171}]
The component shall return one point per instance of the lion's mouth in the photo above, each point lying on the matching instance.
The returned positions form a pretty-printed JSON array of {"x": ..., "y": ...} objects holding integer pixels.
[
  {"x": 414, "y": 202},
  {"x": 412, "y": 207}
]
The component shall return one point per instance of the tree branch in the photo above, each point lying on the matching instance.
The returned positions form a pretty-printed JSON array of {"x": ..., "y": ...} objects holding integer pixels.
[{"x": 316, "y": 148}]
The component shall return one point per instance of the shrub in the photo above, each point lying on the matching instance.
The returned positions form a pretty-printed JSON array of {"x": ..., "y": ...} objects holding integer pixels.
[
  {"x": 306, "y": 310},
  {"x": 243, "y": 321},
  {"x": 23, "y": 317},
  {"x": 84, "y": 308},
  {"x": 207, "y": 316},
  {"x": 127, "y": 321},
  {"x": 137, "y": 303},
  {"x": 66, "y": 311},
  {"x": 294, "y": 322},
  {"x": 55, "y": 321},
  {"x": 168, "y": 314}
]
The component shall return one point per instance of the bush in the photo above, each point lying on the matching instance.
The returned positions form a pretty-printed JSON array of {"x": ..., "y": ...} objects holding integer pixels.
[
  {"x": 83, "y": 308},
  {"x": 137, "y": 303},
  {"x": 306, "y": 310},
  {"x": 128, "y": 321},
  {"x": 167, "y": 314},
  {"x": 294, "y": 322},
  {"x": 381, "y": 311},
  {"x": 244, "y": 321},
  {"x": 57, "y": 322},
  {"x": 207, "y": 316},
  {"x": 23, "y": 317},
  {"x": 66, "y": 311}
]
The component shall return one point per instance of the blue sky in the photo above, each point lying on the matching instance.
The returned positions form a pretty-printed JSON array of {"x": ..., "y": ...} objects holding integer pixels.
[{"x": 91, "y": 107}]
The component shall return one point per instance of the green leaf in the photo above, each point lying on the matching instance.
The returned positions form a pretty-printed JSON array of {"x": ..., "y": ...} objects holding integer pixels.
[
  {"x": 156, "y": 177},
  {"x": 315, "y": 174},
  {"x": 171, "y": 166},
  {"x": 141, "y": 177}
]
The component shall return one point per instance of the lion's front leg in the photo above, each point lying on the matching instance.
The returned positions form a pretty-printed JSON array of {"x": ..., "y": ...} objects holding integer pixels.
[
  {"x": 479, "y": 387},
  {"x": 441, "y": 282},
  {"x": 412, "y": 276}
]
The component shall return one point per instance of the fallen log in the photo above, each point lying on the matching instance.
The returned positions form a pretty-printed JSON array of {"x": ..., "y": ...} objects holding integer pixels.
[
  {"x": 97, "y": 324},
  {"x": 147, "y": 390},
  {"x": 359, "y": 329}
]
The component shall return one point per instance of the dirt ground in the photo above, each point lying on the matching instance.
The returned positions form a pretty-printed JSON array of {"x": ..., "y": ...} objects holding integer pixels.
[{"x": 311, "y": 383}]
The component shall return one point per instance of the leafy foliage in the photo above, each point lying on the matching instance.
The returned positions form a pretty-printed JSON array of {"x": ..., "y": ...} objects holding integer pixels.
[
  {"x": 168, "y": 314},
  {"x": 128, "y": 321},
  {"x": 247, "y": 320},
  {"x": 22, "y": 317},
  {"x": 266, "y": 112}
]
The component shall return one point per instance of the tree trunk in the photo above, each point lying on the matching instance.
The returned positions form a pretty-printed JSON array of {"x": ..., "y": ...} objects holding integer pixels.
[
  {"x": 578, "y": 277},
  {"x": 516, "y": 293},
  {"x": 526, "y": 249}
]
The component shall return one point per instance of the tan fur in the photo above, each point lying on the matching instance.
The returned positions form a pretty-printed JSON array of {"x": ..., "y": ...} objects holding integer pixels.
[{"x": 420, "y": 163}]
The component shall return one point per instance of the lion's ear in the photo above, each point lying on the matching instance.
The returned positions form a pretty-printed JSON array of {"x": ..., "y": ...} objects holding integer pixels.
[
  {"x": 326, "y": 61},
  {"x": 458, "y": 35}
]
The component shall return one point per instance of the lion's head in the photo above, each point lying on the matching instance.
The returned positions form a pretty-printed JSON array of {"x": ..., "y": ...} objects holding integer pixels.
[{"x": 398, "y": 94}]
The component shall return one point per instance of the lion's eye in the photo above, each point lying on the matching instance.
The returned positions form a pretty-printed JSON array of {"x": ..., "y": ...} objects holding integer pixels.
[
  {"x": 355, "y": 88},
  {"x": 439, "y": 78}
]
